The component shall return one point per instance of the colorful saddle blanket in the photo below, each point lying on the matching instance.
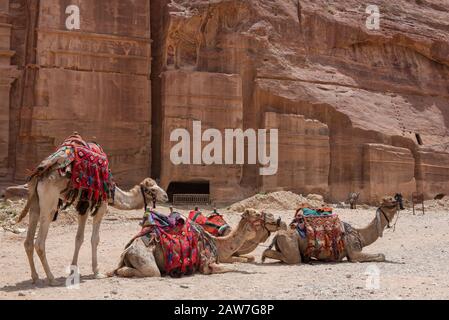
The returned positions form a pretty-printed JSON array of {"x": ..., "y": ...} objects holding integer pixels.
[
  {"x": 87, "y": 166},
  {"x": 215, "y": 224},
  {"x": 186, "y": 247},
  {"x": 324, "y": 233}
]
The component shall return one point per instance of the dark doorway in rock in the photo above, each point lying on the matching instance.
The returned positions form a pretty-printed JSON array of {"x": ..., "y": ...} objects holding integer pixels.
[
  {"x": 439, "y": 196},
  {"x": 188, "y": 188},
  {"x": 419, "y": 139}
]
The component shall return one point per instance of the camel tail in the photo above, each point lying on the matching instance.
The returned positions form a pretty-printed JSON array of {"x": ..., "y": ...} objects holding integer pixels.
[{"x": 32, "y": 186}]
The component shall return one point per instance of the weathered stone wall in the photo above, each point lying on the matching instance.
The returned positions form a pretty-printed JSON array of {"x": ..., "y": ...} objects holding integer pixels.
[
  {"x": 279, "y": 61},
  {"x": 8, "y": 73},
  {"x": 304, "y": 155},
  {"x": 387, "y": 170},
  {"x": 432, "y": 173},
  {"x": 94, "y": 80},
  {"x": 317, "y": 59},
  {"x": 215, "y": 99}
]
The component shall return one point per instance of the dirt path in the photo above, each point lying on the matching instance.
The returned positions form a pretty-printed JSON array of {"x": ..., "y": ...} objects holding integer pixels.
[{"x": 418, "y": 251}]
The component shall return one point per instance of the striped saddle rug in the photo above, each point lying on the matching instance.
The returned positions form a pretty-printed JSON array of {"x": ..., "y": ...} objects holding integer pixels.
[{"x": 324, "y": 233}]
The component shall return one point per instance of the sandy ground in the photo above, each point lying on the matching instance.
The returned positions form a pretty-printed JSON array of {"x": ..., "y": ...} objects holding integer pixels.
[{"x": 417, "y": 269}]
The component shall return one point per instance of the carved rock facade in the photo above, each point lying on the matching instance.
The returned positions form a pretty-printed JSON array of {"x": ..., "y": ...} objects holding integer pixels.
[{"x": 357, "y": 109}]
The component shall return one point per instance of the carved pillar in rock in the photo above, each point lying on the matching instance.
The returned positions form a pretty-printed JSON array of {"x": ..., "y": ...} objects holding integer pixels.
[{"x": 8, "y": 74}]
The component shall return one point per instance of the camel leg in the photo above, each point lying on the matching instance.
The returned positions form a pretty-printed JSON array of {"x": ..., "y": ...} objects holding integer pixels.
[
  {"x": 288, "y": 251},
  {"x": 365, "y": 257},
  {"x": 145, "y": 271},
  {"x": 272, "y": 254},
  {"x": 233, "y": 259},
  {"x": 95, "y": 240},
  {"x": 46, "y": 216},
  {"x": 142, "y": 261},
  {"x": 217, "y": 269},
  {"x": 246, "y": 258},
  {"x": 82, "y": 219},
  {"x": 127, "y": 272},
  {"x": 29, "y": 242}
]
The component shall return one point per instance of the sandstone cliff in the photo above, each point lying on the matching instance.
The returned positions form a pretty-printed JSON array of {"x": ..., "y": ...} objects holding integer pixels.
[
  {"x": 379, "y": 92},
  {"x": 357, "y": 109}
]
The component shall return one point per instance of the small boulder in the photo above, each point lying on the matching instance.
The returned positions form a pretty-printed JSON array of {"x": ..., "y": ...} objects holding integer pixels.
[{"x": 16, "y": 192}]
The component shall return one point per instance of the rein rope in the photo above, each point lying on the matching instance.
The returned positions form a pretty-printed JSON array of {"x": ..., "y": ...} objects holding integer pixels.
[
  {"x": 144, "y": 198},
  {"x": 398, "y": 211}
]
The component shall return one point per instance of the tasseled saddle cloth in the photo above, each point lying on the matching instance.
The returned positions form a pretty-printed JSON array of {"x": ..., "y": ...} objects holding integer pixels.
[
  {"x": 215, "y": 224},
  {"x": 185, "y": 245},
  {"x": 324, "y": 233},
  {"x": 87, "y": 166}
]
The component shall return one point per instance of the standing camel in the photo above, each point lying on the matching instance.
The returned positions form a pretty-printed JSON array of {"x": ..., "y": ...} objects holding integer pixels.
[
  {"x": 290, "y": 246},
  {"x": 48, "y": 190}
]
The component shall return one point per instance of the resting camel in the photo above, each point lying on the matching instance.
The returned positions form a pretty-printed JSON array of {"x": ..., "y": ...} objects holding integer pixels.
[
  {"x": 262, "y": 235},
  {"x": 140, "y": 261},
  {"x": 43, "y": 199},
  {"x": 290, "y": 246}
]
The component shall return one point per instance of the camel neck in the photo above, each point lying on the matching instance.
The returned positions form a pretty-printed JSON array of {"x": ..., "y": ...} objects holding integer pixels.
[
  {"x": 128, "y": 200},
  {"x": 231, "y": 243},
  {"x": 370, "y": 233}
]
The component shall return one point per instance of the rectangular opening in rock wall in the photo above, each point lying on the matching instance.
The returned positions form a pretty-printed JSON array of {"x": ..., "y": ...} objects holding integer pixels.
[
  {"x": 419, "y": 139},
  {"x": 193, "y": 193}
]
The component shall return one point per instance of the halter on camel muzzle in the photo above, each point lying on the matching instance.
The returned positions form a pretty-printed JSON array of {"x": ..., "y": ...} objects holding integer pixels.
[
  {"x": 399, "y": 205},
  {"x": 153, "y": 196},
  {"x": 264, "y": 221}
]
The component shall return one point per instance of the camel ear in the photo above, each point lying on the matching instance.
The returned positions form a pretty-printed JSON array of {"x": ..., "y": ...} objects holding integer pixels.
[{"x": 245, "y": 214}]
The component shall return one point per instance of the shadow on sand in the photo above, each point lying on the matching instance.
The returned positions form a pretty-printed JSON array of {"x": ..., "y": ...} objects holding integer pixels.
[{"x": 42, "y": 284}]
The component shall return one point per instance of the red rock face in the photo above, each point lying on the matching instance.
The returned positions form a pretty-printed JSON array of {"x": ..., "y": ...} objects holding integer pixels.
[
  {"x": 358, "y": 101},
  {"x": 375, "y": 90},
  {"x": 8, "y": 73},
  {"x": 94, "y": 80}
]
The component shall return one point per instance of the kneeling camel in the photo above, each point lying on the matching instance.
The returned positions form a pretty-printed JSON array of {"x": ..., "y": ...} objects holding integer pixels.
[
  {"x": 140, "y": 261},
  {"x": 289, "y": 246}
]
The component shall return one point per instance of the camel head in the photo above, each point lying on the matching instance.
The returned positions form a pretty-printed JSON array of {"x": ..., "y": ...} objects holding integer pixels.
[
  {"x": 272, "y": 224},
  {"x": 390, "y": 205},
  {"x": 389, "y": 202},
  {"x": 152, "y": 191},
  {"x": 252, "y": 220}
]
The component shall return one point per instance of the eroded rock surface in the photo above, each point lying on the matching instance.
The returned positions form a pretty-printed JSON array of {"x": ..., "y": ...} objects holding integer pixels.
[
  {"x": 378, "y": 99},
  {"x": 317, "y": 59}
]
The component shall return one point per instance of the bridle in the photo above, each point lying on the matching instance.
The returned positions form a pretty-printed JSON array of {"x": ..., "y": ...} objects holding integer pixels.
[
  {"x": 263, "y": 221},
  {"x": 386, "y": 217},
  {"x": 153, "y": 196}
]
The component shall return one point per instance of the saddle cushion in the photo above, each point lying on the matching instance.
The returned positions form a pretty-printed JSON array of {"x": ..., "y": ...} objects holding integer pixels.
[
  {"x": 184, "y": 245},
  {"x": 324, "y": 233},
  {"x": 215, "y": 224},
  {"x": 87, "y": 166}
]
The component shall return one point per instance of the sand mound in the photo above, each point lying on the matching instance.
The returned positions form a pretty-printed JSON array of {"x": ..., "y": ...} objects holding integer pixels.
[{"x": 280, "y": 200}]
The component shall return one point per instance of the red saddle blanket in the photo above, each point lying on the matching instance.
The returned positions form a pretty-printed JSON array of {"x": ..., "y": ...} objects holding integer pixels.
[
  {"x": 324, "y": 233},
  {"x": 215, "y": 224},
  {"x": 184, "y": 245},
  {"x": 87, "y": 166}
]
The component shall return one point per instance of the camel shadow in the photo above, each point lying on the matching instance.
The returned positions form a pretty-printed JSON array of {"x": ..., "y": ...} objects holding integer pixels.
[
  {"x": 317, "y": 263},
  {"x": 42, "y": 284}
]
